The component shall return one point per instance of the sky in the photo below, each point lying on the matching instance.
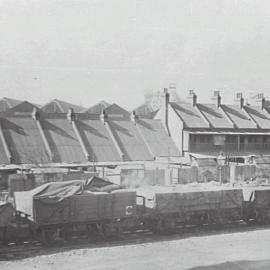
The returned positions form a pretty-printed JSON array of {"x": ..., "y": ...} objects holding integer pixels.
[{"x": 84, "y": 51}]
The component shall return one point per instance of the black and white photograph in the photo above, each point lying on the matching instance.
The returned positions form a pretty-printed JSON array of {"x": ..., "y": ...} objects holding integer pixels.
[{"x": 134, "y": 134}]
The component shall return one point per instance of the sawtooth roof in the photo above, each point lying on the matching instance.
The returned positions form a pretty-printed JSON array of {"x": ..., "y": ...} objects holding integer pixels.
[
  {"x": 215, "y": 116},
  {"x": 157, "y": 138},
  {"x": 62, "y": 140},
  {"x": 146, "y": 111},
  {"x": 239, "y": 117},
  {"x": 97, "y": 108},
  {"x": 24, "y": 140},
  {"x": 97, "y": 140},
  {"x": 23, "y": 107},
  {"x": 129, "y": 140},
  {"x": 261, "y": 117},
  {"x": 8, "y": 103},
  {"x": 189, "y": 115},
  {"x": 60, "y": 106},
  {"x": 115, "y": 110}
]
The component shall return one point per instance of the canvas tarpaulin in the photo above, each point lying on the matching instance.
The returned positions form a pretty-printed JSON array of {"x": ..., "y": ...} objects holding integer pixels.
[{"x": 57, "y": 191}]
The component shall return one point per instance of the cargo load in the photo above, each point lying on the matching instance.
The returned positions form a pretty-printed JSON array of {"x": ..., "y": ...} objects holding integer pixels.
[
  {"x": 260, "y": 195},
  {"x": 184, "y": 198},
  {"x": 76, "y": 201}
]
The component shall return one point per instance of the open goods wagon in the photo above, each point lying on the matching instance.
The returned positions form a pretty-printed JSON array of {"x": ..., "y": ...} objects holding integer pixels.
[
  {"x": 64, "y": 207},
  {"x": 257, "y": 204},
  {"x": 165, "y": 207}
]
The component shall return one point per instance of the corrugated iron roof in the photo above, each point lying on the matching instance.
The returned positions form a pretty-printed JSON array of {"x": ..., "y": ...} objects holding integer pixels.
[
  {"x": 146, "y": 110},
  {"x": 23, "y": 107},
  {"x": 8, "y": 103},
  {"x": 129, "y": 140},
  {"x": 189, "y": 115},
  {"x": 97, "y": 141},
  {"x": 260, "y": 116},
  {"x": 116, "y": 110},
  {"x": 157, "y": 138},
  {"x": 97, "y": 108},
  {"x": 62, "y": 140},
  {"x": 60, "y": 106},
  {"x": 24, "y": 140},
  {"x": 238, "y": 116},
  {"x": 215, "y": 116}
]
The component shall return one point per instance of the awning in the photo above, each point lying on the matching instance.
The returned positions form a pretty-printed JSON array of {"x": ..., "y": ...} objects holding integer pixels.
[{"x": 229, "y": 133}]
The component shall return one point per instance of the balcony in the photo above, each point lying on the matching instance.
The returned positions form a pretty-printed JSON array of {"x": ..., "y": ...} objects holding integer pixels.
[{"x": 230, "y": 148}]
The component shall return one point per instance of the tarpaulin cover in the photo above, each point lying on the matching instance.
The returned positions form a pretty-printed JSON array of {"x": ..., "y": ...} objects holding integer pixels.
[{"x": 57, "y": 191}]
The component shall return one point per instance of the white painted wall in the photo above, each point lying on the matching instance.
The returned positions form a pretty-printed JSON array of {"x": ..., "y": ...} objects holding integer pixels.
[
  {"x": 185, "y": 141},
  {"x": 176, "y": 128}
]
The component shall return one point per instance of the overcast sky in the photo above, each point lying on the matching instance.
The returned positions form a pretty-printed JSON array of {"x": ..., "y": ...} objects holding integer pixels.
[{"x": 83, "y": 51}]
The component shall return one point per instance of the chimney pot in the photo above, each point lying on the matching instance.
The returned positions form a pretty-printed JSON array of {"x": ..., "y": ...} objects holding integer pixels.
[
  {"x": 194, "y": 99},
  {"x": 70, "y": 115},
  {"x": 167, "y": 101},
  {"x": 242, "y": 102},
  {"x": 218, "y": 100},
  {"x": 263, "y": 103},
  {"x": 133, "y": 117},
  {"x": 35, "y": 114},
  {"x": 103, "y": 116}
]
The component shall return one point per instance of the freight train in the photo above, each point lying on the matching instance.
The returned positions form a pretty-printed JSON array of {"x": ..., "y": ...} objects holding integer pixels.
[{"x": 95, "y": 207}]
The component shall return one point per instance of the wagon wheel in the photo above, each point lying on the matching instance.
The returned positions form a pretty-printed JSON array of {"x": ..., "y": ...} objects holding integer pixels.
[
  {"x": 92, "y": 231},
  {"x": 163, "y": 226},
  {"x": 168, "y": 226},
  {"x": 246, "y": 216},
  {"x": 108, "y": 231},
  {"x": 3, "y": 238},
  {"x": 247, "y": 219},
  {"x": 260, "y": 218},
  {"x": 156, "y": 226},
  {"x": 216, "y": 219},
  {"x": 50, "y": 236}
]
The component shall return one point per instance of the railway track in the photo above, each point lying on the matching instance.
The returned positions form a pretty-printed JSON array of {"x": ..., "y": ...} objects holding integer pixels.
[{"x": 33, "y": 248}]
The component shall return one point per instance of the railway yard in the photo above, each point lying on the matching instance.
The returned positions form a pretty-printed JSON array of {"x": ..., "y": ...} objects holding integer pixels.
[
  {"x": 233, "y": 247},
  {"x": 96, "y": 223},
  {"x": 110, "y": 189}
]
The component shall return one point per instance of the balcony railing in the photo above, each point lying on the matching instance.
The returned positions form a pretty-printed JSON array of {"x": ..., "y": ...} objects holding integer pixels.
[{"x": 230, "y": 147}]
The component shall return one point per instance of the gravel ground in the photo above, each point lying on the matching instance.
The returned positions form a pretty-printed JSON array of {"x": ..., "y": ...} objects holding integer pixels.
[{"x": 229, "y": 251}]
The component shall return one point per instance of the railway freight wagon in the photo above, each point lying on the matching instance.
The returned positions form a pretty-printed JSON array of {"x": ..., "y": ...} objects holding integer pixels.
[
  {"x": 166, "y": 207},
  {"x": 58, "y": 209},
  {"x": 257, "y": 204}
]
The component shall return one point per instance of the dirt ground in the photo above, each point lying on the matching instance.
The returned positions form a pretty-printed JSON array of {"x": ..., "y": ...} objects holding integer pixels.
[{"x": 248, "y": 250}]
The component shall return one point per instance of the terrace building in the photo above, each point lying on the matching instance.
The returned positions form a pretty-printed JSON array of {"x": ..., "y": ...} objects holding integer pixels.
[{"x": 235, "y": 130}]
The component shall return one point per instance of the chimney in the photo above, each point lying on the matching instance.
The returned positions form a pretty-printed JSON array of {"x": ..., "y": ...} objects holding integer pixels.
[
  {"x": 242, "y": 102},
  {"x": 70, "y": 115},
  {"x": 167, "y": 100},
  {"x": 194, "y": 99},
  {"x": 218, "y": 100},
  {"x": 103, "y": 116},
  {"x": 263, "y": 103},
  {"x": 133, "y": 117},
  {"x": 35, "y": 114}
]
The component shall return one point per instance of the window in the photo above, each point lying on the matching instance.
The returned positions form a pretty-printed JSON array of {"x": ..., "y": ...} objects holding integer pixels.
[
  {"x": 205, "y": 138},
  {"x": 252, "y": 139},
  {"x": 231, "y": 139},
  {"x": 219, "y": 139}
]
